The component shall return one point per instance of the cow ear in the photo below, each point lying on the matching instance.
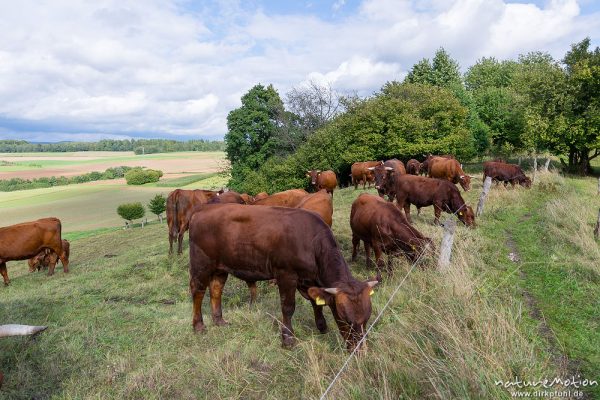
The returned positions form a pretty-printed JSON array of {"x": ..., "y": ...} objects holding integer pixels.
[{"x": 320, "y": 296}]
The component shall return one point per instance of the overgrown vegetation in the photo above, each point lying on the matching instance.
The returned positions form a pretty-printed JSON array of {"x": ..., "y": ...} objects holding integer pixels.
[
  {"x": 141, "y": 176},
  {"x": 139, "y": 146},
  {"x": 444, "y": 336},
  {"x": 10, "y": 185},
  {"x": 529, "y": 106}
]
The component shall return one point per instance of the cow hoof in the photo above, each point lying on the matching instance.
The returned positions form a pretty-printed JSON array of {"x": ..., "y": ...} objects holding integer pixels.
[
  {"x": 322, "y": 326},
  {"x": 199, "y": 328},
  {"x": 220, "y": 322},
  {"x": 288, "y": 342},
  {"x": 6, "y": 283}
]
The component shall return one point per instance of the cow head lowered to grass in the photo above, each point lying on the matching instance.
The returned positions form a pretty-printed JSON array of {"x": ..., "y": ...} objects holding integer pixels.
[{"x": 293, "y": 246}]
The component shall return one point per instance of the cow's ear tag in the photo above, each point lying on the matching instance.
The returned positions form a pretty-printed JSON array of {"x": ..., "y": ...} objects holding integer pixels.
[
  {"x": 460, "y": 213},
  {"x": 371, "y": 292},
  {"x": 319, "y": 301}
]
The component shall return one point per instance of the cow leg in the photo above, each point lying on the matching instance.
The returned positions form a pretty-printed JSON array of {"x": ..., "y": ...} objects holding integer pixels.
[
  {"x": 180, "y": 242},
  {"x": 171, "y": 239},
  {"x": 201, "y": 268},
  {"x": 287, "y": 293},
  {"x": 51, "y": 267},
  {"x": 355, "y": 183},
  {"x": 355, "y": 246},
  {"x": 437, "y": 210},
  {"x": 407, "y": 212},
  {"x": 252, "y": 288},
  {"x": 65, "y": 262},
  {"x": 379, "y": 262},
  {"x": 368, "y": 254},
  {"x": 217, "y": 283},
  {"x": 4, "y": 273}
]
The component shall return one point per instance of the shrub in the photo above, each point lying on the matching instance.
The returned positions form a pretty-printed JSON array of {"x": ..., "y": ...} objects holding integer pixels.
[
  {"x": 131, "y": 211},
  {"x": 158, "y": 205},
  {"x": 139, "y": 176}
]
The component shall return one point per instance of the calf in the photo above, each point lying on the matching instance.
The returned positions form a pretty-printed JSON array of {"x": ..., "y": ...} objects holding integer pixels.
[
  {"x": 506, "y": 173},
  {"x": 291, "y": 245},
  {"x": 449, "y": 169},
  {"x": 382, "y": 225},
  {"x": 424, "y": 192},
  {"x": 360, "y": 173},
  {"x": 323, "y": 180},
  {"x": 26, "y": 240},
  {"x": 385, "y": 175},
  {"x": 48, "y": 258}
]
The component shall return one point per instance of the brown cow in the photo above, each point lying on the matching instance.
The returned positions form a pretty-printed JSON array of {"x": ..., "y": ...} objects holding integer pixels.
[
  {"x": 26, "y": 240},
  {"x": 261, "y": 195},
  {"x": 449, "y": 169},
  {"x": 413, "y": 167},
  {"x": 291, "y": 245},
  {"x": 424, "y": 167},
  {"x": 385, "y": 175},
  {"x": 247, "y": 198},
  {"x": 287, "y": 198},
  {"x": 48, "y": 258},
  {"x": 323, "y": 180},
  {"x": 384, "y": 227},
  {"x": 321, "y": 203},
  {"x": 181, "y": 204},
  {"x": 424, "y": 192},
  {"x": 507, "y": 173},
  {"x": 228, "y": 197},
  {"x": 361, "y": 173}
]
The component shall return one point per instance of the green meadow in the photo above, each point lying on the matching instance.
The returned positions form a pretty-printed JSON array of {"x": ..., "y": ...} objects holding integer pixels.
[{"x": 119, "y": 324}]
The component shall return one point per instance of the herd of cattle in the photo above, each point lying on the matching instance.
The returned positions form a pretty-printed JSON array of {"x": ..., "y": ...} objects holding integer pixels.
[{"x": 288, "y": 237}]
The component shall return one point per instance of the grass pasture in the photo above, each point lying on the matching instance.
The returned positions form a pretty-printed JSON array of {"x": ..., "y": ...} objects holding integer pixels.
[{"x": 120, "y": 322}]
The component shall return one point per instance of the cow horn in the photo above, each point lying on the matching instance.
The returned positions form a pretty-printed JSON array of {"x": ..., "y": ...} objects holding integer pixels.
[
  {"x": 471, "y": 176},
  {"x": 331, "y": 290},
  {"x": 462, "y": 177},
  {"x": 389, "y": 168},
  {"x": 371, "y": 168},
  {"x": 19, "y": 330},
  {"x": 318, "y": 171},
  {"x": 372, "y": 283}
]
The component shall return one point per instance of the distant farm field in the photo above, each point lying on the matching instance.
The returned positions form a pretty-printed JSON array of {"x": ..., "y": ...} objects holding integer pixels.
[
  {"x": 37, "y": 165},
  {"x": 89, "y": 206}
]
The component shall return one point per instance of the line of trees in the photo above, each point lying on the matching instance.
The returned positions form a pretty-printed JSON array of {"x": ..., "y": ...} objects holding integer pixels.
[
  {"x": 532, "y": 105},
  {"x": 139, "y": 146}
]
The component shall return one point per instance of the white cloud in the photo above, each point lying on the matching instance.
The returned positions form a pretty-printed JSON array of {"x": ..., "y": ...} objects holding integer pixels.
[{"x": 127, "y": 67}]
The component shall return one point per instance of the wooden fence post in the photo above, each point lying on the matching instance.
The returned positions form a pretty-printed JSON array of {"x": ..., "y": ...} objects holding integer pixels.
[
  {"x": 520, "y": 160},
  {"x": 446, "y": 246},
  {"x": 547, "y": 164},
  {"x": 487, "y": 184},
  {"x": 534, "y": 168},
  {"x": 597, "y": 228}
]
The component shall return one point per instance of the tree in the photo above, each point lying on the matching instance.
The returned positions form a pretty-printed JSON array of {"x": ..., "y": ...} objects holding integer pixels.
[
  {"x": 442, "y": 71},
  {"x": 158, "y": 205},
  {"x": 139, "y": 176},
  {"x": 131, "y": 211},
  {"x": 421, "y": 72}
]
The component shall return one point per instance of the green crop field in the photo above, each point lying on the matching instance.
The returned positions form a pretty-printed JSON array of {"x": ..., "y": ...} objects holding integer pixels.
[{"x": 119, "y": 324}]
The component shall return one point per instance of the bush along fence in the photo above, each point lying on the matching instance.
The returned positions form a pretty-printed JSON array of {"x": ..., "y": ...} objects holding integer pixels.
[{"x": 10, "y": 185}]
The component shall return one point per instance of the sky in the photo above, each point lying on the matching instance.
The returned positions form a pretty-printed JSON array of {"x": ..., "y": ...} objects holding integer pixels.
[{"x": 91, "y": 69}]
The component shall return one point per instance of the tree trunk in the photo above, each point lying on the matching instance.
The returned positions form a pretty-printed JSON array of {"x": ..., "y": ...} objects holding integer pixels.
[
  {"x": 547, "y": 164},
  {"x": 520, "y": 160},
  {"x": 534, "y": 168}
]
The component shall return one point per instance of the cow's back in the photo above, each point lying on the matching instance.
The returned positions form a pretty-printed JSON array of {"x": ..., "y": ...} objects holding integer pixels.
[
  {"x": 320, "y": 203},
  {"x": 288, "y": 198},
  {"x": 25, "y": 240}
]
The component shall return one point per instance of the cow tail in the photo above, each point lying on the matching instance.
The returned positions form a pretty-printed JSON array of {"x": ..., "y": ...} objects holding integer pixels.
[{"x": 175, "y": 227}]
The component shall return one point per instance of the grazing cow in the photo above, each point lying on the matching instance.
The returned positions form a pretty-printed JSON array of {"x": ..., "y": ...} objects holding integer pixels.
[
  {"x": 48, "y": 258},
  {"x": 384, "y": 227},
  {"x": 18, "y": 330},
  {"x": 506, "y": 173},
  {"x": 323, "y": 180},
  {"x": 293, "y": 246},
  {"x": 228, "y": 197},
  {"x": 26, "y": 240},
  {"x": 181, "y": 204},
  {"x": 261, "y": 195},
  {"x": 320, "y": 203},
  {"x": 288, "y": 198},
  {"x": 449, "y": 169},
  {"x": 385, "y": 175},
  {"x": 247, "y": 198},
  {"x": 424, "y": 192},
  {"x": 413, "y": 167},
  {"x": 360, "y": 173}
]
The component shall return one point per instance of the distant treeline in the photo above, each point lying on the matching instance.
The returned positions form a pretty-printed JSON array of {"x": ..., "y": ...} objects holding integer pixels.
[
  {"x": 10, "y": 185},
  {"x": 139, "y": 146}
]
